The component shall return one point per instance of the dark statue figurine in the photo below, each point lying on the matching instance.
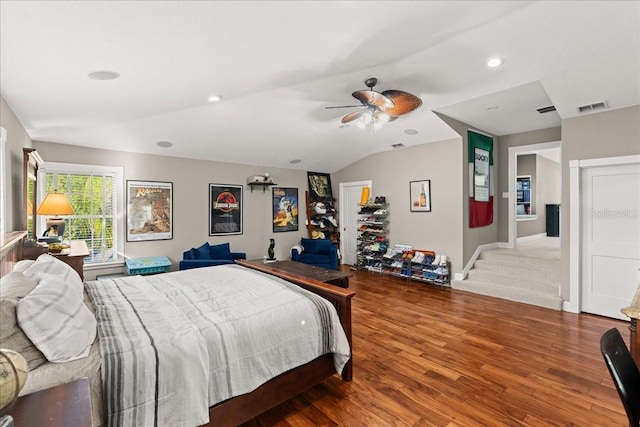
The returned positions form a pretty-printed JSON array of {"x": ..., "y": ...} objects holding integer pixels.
[{"x": 272, "y": 244}]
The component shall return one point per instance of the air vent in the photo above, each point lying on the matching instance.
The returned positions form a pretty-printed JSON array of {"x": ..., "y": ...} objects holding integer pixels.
[
  {"x": 593, "y": 107},
  {"x": 548, "y": 109},
  {"x": 398, "y": 145}
]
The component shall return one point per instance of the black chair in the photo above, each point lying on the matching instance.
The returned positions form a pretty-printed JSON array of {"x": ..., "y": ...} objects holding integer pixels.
[{"x": 624, "y": 372}]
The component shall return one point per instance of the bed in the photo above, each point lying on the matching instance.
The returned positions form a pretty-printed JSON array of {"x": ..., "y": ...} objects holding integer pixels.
[{"x": 269, "y": 385}]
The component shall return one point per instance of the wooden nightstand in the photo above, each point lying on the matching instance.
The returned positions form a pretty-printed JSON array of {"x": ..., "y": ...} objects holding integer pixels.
[
  {"x": 75, "y": 255},
  {"x": 66, "y": 405}
]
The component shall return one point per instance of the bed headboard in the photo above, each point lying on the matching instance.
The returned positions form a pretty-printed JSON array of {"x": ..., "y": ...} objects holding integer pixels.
[{"x": 10, "y": 250}]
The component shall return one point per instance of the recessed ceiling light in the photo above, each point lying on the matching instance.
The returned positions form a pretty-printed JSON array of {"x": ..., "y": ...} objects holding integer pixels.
[
  {"x": 410, "y": 131},
  {"x": 215, "y": 98},
  {"x": 294, "y": 161},
  {"x": 104, "y": 75},
  {"x": 495, "y": 62},
  {"x": 164, "y": 144}
]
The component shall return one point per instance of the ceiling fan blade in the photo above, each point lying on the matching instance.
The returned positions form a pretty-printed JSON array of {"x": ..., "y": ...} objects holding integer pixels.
[
  {"x": 343, "y": 106},
  {"x": 403, "y": 102},
  {"x": 371, "y": 97},
  {"x": 352, "y": 116}
]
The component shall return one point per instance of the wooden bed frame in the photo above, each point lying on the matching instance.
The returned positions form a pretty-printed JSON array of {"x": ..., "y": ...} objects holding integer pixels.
[{"x": 240, "y": 409}]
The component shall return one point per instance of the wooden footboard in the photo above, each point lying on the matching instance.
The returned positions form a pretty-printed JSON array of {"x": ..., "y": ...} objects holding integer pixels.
[{"x": 240, "y": 409}]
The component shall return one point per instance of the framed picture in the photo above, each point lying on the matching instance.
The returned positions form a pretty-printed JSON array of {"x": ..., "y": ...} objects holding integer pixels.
[
  {"x": 149, "y": 210},
  {"x": 480, "y": 175},
  {"x": 284, "y": 209},
  {"x": 320, "y": 187},
  {"x": 420, "y": 195},
  {"x": 225, "y": 209}
]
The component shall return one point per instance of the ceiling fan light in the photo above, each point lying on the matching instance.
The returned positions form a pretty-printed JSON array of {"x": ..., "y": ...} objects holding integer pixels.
[{"x": 367, "y": 117}]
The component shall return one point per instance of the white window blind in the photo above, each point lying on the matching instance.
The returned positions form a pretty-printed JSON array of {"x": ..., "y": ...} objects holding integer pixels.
[{"x": 95, "y": 193}]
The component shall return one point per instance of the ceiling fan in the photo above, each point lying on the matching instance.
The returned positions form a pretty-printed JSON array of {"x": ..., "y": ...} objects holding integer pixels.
[{"x": 380, "y": 107}]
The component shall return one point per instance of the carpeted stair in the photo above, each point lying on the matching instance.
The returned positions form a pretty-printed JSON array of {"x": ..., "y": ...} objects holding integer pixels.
[{"x": 513, "y": 275}]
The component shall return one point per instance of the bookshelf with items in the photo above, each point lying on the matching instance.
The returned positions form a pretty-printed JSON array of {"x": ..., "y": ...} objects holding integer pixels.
[
  {"x": 417, "y": 264},
  {"x": 322, "y": 220},
  {"x": 372, "y": 234}
]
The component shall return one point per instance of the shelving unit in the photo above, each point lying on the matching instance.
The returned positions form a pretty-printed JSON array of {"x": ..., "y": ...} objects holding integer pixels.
[
  {"x": 372, "y": 235},
  {"x": 264, "y": 185},
  {"x": 322, "y": 220},
  {"x": 403, "y": 263}
]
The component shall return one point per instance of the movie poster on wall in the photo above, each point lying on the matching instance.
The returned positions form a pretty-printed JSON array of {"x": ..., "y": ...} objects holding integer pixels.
[
  {"x": 149, "y": 210},
  {"x": 225, "y": 209},
  {"x": 285, "y": 209}
]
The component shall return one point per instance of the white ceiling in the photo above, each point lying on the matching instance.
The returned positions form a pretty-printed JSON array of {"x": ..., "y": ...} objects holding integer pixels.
[{"x": 278, "y": 64}]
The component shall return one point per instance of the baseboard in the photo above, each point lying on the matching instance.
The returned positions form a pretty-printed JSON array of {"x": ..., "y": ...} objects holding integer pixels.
[
  {"x": 474, "y": 257},
  {"x": 531, "y": 238}
]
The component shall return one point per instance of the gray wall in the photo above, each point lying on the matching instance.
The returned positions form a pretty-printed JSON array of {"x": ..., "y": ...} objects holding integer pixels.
[
  {"x": 607, "y": 134},
  {"x": 17, "y": 138},
  {"x": 474, "y": 237},
  {"x": 545, "y": 189},
  {"x": 390, "y": 172},
  {"x": 191, "y": 201},
  {"x": 527, "y": 166},
  {"x": 515, "y": 140}
]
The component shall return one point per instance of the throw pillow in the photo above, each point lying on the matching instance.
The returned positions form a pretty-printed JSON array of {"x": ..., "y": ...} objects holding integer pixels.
[
  {"x": 13, "y": 338},
  {"x": 221, "y": 251},
  {"x": 56, "y": 320},
  {"x": 15, "y": 285},
  {"x": 323, "y": 246},
  {"x": 203, "y": 252},
  {"x": 309, "y": 245}
]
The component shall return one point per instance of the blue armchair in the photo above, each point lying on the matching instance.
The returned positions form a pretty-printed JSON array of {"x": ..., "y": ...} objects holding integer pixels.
[
  {"x": 208, "y": 255},
  {"x": 319, "y": 252}
]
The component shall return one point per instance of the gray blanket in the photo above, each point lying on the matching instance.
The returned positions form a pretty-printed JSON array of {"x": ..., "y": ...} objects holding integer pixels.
[{"x": 174, "y": 344}]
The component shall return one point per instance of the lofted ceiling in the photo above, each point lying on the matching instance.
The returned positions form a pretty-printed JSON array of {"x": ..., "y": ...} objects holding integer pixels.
[{"x": 278, "y": 64}]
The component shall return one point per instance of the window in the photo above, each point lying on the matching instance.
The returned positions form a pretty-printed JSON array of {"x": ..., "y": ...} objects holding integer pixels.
[{"x": 95, "y": 193}]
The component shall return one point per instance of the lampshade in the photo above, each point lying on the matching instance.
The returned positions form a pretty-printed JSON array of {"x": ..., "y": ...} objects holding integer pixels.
[{"x": 55, "y": 204}]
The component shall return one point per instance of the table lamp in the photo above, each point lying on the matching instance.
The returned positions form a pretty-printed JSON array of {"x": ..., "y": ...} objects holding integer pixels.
[{"x": 55, "y": 204}]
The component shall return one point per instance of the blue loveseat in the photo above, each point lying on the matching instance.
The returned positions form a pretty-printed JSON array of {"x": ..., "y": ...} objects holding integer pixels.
[
  {"x": 319, "y": 252},
  {"x": 208, "y": 255}
]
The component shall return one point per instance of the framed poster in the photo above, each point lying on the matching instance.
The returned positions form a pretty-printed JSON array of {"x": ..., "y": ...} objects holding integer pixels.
[
  {"x": 225, "y": 209},
  {"x": 420, "y": 195},
  {"x": 285, "y": 209},
  {"x": 480, "y": 175},
  {"x": 149, "y": 210},
  {"x": 320, "y": 187}
]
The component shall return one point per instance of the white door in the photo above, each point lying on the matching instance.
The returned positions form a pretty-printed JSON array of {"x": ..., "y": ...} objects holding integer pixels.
[
  {"x": 350, "y": 194},
  {"x": 610, "y": 238}
]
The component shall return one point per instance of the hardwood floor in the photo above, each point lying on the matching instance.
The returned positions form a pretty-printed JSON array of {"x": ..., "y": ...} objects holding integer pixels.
[{"x": 430, "y": 357}]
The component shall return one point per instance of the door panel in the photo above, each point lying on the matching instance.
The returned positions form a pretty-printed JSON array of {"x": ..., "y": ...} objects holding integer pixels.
[
  {"x": 349, "y": 207},
  {"x": 611, "y": 238}
]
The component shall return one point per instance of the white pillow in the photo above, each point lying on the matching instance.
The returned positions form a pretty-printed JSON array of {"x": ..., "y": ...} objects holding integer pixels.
[
  {"x": 16, "y": 285},
  {"x": 56, "y": 320},
  {"x": 22, "y": 265},
  {"x": 51, "y": 265}
]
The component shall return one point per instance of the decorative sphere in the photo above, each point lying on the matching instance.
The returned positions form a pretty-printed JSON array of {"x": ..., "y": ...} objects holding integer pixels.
[{"x": 13, "y": 374}]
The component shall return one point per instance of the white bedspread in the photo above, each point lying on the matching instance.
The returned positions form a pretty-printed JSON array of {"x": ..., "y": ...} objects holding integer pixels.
[{"x": 176, "y": 343}]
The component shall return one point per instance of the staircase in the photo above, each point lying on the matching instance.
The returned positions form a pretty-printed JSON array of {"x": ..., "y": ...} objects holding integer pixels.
[{"x": 523, "y": 275}]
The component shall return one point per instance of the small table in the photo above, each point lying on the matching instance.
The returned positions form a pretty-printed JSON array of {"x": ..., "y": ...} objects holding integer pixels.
[
  {"x": 332, "y": 277},
  {"x": 66, "y": 405}
]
